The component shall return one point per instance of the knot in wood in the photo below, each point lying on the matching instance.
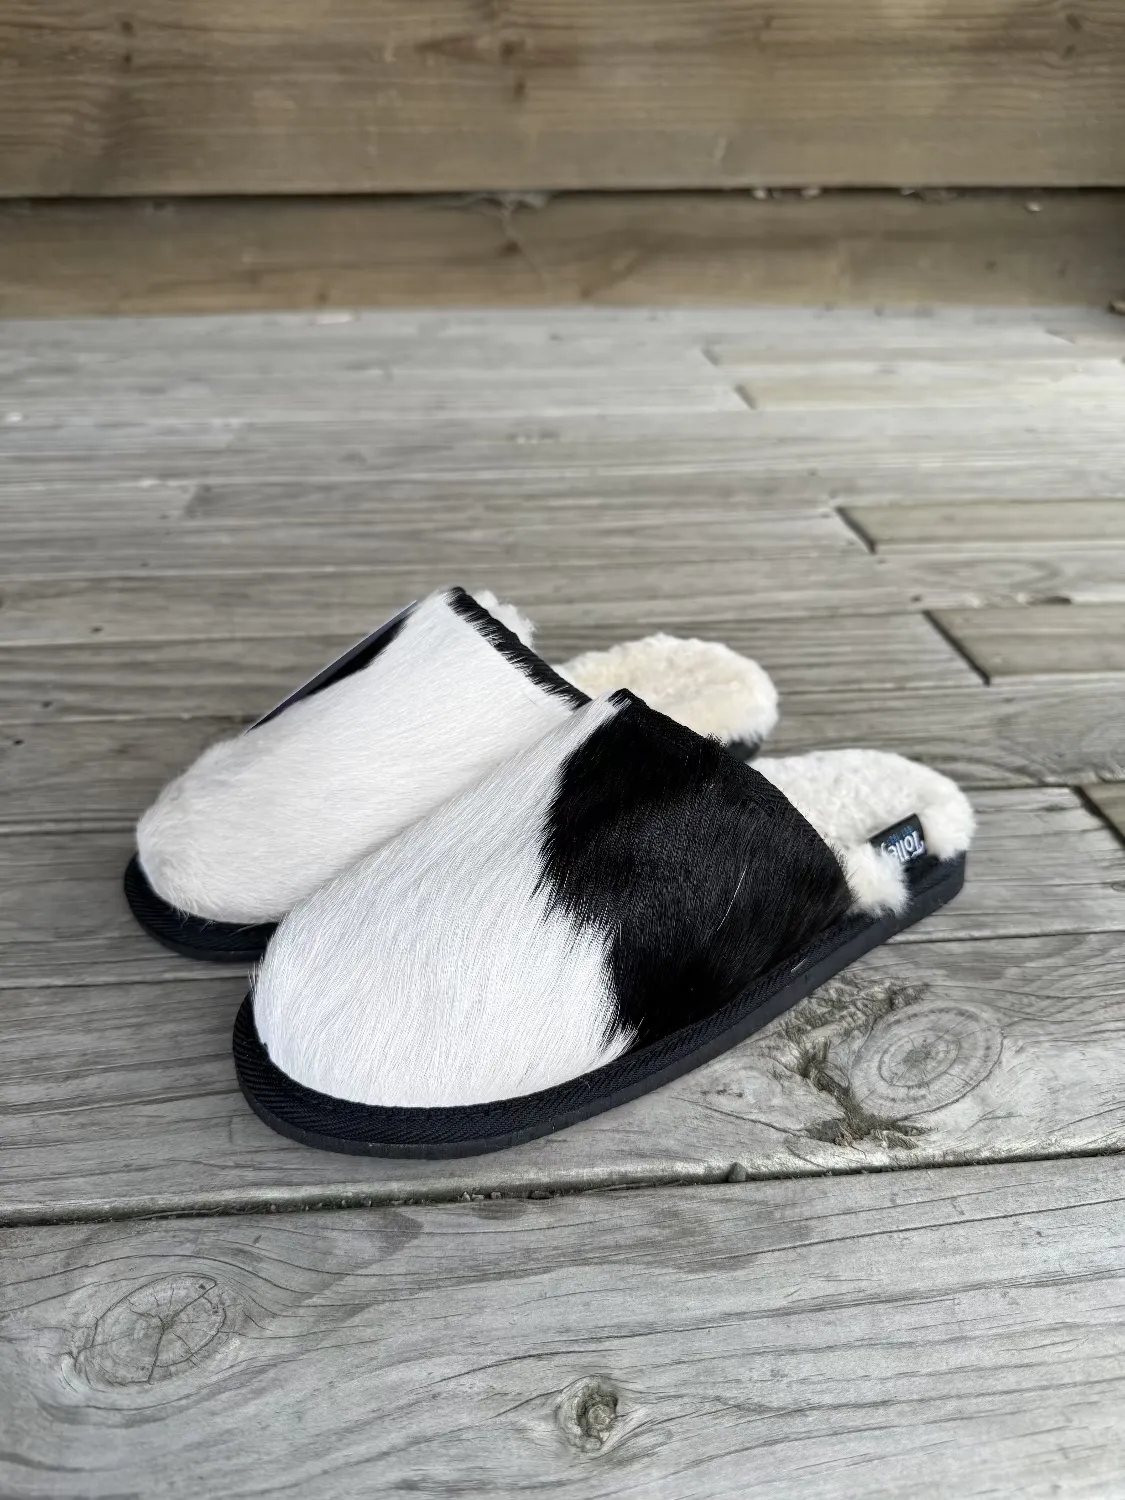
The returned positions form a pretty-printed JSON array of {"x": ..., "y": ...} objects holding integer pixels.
[
  {"x": 923, "y": 1058},
  {"x": 587, "y": 1412},
  {"x": 161, "y": 1329}
]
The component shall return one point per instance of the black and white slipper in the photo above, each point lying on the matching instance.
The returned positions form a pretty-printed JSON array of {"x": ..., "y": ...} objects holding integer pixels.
[
  {"x": 426, "y": 705},
  {"x": 605, "y": 911}
]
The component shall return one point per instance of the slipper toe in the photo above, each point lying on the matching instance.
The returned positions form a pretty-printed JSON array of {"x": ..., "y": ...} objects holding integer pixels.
[{"x": 261, "y": 820}]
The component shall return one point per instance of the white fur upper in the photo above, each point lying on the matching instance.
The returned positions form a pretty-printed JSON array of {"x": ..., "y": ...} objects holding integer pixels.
[
  {"x": 260, "y": 821},
  {"x": 850, "y": 795},
  {"x": 433, "y": 973},
  {"x": 702, "y": 684}
]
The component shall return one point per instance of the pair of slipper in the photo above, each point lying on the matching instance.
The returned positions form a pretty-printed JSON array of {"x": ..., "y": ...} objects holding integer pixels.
[{"x": 491, "y": 905}]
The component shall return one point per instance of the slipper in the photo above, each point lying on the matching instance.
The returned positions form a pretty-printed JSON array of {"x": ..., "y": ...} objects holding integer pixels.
[
  {"x": 614, "y": 906},
  {"x": 422, "y": 708}
]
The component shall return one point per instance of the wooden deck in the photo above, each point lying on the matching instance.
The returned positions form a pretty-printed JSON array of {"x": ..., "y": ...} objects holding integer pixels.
[{"x": 879, "y": 1250}]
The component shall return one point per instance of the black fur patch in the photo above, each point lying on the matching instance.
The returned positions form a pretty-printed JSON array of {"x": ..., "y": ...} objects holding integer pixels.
[
  {"x": 361, "y": 655},
  {"x": 510, "y": 646},
  {"x": 702, "y": 873}
]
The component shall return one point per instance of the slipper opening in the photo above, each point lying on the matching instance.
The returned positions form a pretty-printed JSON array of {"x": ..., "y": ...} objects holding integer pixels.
[{"x": 701, "y": 684}]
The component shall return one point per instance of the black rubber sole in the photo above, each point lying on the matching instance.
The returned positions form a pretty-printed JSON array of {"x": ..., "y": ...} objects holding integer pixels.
[
  {"x": 192, "y": 937},
  {"x": 331, "y": 1124}
]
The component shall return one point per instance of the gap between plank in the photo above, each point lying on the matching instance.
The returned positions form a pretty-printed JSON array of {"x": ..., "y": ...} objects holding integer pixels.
[
  {"x": 951, "y": 640},
  {"x": 1102, "y": 816},
  {"x": 308, "y": 1199},
  {"x": 855, "y": 528}
]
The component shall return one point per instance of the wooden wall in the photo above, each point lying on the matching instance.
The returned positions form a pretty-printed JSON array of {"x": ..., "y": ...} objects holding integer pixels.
[
  {"x": 233, "y": 154},
  {"x": 359, "y": 96},
  {"x": 202, "y": 255}
]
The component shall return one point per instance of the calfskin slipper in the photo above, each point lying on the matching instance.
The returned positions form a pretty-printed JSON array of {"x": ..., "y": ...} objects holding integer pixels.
[
  {"x": 608, "y": 909},
  {"x": 426, "y": 705}
]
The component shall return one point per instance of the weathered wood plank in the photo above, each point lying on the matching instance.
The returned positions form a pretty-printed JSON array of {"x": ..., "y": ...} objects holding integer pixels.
[
  {"x": 375, "y": 390},
  {"x": 756, "y": 445},
  {"x": 1042, "y": 863},
  {"x": 1038, "y": 641},
  {"x": 583, "y": 538},
  {"x": 941, "y": 332},
  {"x": 126, "y": 1102},
  {"x": 493, "y": 501},
  {"x": 935, "y": 334},
  {"x": 1034, "y": 525},
  {"x": 958, "y": 1333},
  {"x": 398, "y": 500},
  {"x": 662, "y": 583},
  {"x": 229, "y": 254},
  {"x": 65, "y": 918},
  {"x": 1021, "y": 730},
  {"x": 279, "y": 99},
  {"x": 346, "y": 601},
  {"x": 938, "y": 579},
  {"x": 95, "y": 773},
  {"x": 239, "y": 678},
  {"x": 936, "y": 385}
]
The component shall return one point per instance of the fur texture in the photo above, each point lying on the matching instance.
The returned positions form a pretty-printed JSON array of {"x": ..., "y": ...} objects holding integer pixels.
[
  {"x": 616, "y": 881},
  {"x": 702, "y": 684},
  {"x": 260, "y": 821},
  {"x": 698, "y": 874},
  {"x": 434, "y": 972},
  {"x": 509, "y": 615},
  {"x": 850, "y": 795}
]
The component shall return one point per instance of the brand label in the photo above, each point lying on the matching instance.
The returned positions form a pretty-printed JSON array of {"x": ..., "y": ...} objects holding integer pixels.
[{"x": 905, "y": 840}]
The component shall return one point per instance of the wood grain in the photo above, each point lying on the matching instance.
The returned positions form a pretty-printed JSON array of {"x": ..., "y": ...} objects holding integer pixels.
[
  {"x": 630, "y": 599},
  {"x": 757, "y": 445},
  {"x": 926, "y": 385},
  {"x": 939, "y": 580},
  {"x": 283, "y": 98},
  {"x": 427, "y": 334},
  {"x": 1041, "y": 641},
  {"x": 644, "y": 249},
  {"x": 1020, "y": 730},
  {"x": 957, "y": 1332},
  {"x": 1022, "y": 525},
  {"x": 65, "y": 919},
  {"x": 451, "y": 539}
]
